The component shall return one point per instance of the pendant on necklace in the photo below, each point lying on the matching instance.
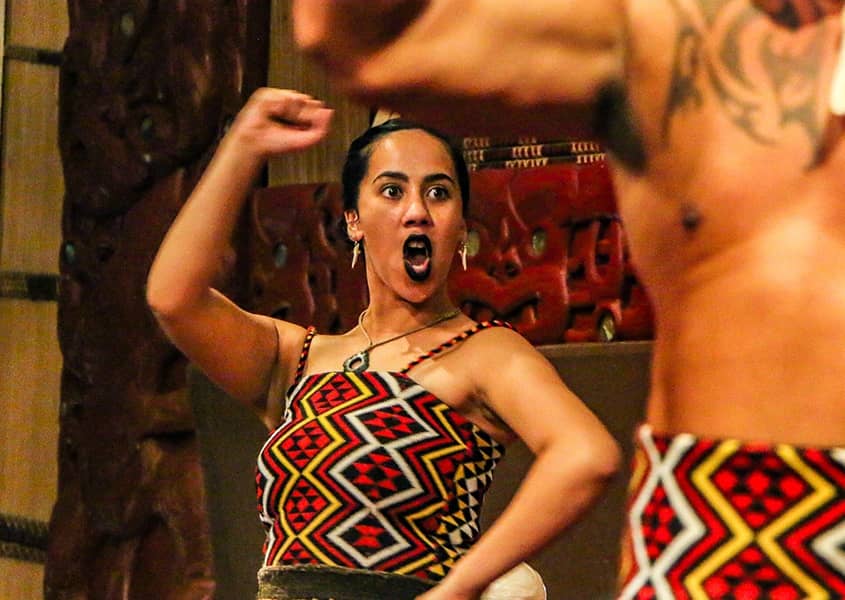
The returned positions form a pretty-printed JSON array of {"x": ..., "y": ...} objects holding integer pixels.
[{"x": 358, "y": 362}]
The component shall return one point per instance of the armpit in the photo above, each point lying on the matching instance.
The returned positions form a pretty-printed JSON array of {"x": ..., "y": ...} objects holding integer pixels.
[{"x": 494, "y": 419}]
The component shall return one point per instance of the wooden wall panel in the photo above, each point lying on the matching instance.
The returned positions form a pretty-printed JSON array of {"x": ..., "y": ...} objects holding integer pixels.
[
  {"x": 31, "y": 192},
  {"x": 42, "y": 24},
  {"x": 29, "y": 384},
  {"x": 32, "y": 186},
  {"x": 20, "y": 580},
  {"x": 30, "y": 365},
  {"x": 290, "y": 69},
  {"x": 2, "y": 57}
]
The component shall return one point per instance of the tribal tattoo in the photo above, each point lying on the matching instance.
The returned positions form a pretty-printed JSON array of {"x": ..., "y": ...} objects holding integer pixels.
[{"x": 764, "y": 77}]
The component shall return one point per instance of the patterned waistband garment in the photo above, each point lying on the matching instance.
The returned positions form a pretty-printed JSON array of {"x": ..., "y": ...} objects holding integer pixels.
[
  {"x": 712, "y": 519},
  {"x": 371, "y": 471},
  {"x": 318, "y": 582}
]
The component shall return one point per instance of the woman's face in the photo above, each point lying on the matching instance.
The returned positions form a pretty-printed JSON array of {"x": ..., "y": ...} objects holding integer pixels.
[{"x": 409, "y": 214}]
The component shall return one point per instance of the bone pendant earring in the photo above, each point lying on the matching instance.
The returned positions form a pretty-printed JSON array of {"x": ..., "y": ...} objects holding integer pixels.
[
  {"x": 356, "y": 252},
  {"x": 463, "y": 253}
]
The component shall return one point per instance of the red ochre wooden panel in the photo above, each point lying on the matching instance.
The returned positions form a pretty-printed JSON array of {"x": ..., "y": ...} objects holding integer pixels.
[{"x": 547, "y": 252}]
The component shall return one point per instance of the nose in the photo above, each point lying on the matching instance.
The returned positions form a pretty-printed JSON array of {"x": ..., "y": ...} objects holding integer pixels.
[
  {"x": 417, "y": 211},
  {"x": 506, "y": 265}
]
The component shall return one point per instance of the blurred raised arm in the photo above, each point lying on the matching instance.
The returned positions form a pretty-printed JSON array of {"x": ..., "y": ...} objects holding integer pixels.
[{"x": 471, "y": 66}]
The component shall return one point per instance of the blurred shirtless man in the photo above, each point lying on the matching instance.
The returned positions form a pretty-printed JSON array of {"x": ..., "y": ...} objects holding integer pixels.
[{"x": 729, "y": 162}]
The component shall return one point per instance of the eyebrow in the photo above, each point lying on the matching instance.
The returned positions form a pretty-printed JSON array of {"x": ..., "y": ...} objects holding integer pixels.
[{"x": 403, "y": 177}]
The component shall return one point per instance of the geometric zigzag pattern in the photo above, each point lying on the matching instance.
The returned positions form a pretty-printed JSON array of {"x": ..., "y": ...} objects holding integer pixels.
[
  {"x": 369, "y": 470},
  {"x": 721, "y": 519}
]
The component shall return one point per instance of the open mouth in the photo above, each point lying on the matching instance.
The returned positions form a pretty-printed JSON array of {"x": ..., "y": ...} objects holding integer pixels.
[{"x": 416, "y": 253}]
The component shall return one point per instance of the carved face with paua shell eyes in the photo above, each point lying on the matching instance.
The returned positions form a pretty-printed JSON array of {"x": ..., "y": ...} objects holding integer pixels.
[
  {"x": 520, "y": 236},
  {"x": 299, "y": 263},
  {"x": 545, "y": 252}
]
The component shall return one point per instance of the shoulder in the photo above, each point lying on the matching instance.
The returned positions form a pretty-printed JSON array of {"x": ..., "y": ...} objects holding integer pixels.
[
  {"x": 496, "y": 330},
  {"x": 502, "y": 360},
  {"x": 498, "y": 340}
]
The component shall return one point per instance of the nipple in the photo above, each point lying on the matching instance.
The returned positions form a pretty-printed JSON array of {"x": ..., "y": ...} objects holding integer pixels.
[
  {"x": 690, "y": 217},
  {"x": 837, "y": 88}
]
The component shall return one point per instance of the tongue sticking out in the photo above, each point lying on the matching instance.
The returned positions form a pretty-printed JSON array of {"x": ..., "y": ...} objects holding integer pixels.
[{"x": 417, "y": 255}]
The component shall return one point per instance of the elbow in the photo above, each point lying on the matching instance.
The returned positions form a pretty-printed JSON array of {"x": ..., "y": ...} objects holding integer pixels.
[
  {"x": 308, "y": 24},
  {"x": 308, "y": 34},
  {"x": 163, "y": 301},
  {"x": 313, "y": 25},
  {"x": 598, "y": 463},
  {"x": 158, "y": 302},
  {"x": 155, "y": 293},
  {"x": 330, "y": 30},
  {"x": 175, "y": 289},
  {"x": 607, "y": 462}
]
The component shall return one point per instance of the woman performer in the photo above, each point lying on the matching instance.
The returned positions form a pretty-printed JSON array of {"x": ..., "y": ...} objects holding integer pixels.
[{"x": 383, "y": 446}]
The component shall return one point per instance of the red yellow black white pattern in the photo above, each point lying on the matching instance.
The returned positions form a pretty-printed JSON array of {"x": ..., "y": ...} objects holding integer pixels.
[
  {"x": 714, "y": 519},
  {"x": 369, "y": 470}
]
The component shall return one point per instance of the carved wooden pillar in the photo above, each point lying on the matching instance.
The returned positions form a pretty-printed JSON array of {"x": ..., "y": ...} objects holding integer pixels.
[{"x": 146, "y": 90}]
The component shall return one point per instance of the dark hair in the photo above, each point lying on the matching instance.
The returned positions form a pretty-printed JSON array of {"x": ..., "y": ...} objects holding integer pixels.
[{"x": 358, "y": 159}]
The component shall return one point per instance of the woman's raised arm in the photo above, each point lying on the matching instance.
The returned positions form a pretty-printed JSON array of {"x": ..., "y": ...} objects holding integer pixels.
[{"x": 241, "y": 352}]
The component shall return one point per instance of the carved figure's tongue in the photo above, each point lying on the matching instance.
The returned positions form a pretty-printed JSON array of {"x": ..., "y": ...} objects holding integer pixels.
[{"x": 417, "y": 256}]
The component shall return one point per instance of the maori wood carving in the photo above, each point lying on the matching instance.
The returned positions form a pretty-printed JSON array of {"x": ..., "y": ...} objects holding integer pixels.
[
  {"x": 546, "y": 252},
  {"x": 146, "y": 89},
  {"x": 299, "y": 258}
]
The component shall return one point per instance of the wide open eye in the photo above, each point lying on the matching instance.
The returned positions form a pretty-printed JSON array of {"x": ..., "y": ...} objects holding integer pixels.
[
  {"x": 391, "y": 190},
  {"x": 539, "y": 242},
  {"x": 438, "y": 192},
  {"x": 473, "y": 243}
]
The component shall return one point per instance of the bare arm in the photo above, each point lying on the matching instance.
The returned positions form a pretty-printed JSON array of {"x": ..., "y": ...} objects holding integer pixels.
[
  {"x": 494, "y": 66},
  {"x": 236, "y": 349},
  {"x": 575, "y": 457}
]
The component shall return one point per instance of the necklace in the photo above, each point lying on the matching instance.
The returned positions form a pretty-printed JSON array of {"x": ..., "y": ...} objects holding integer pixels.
[{"x": 359, "y": 361}]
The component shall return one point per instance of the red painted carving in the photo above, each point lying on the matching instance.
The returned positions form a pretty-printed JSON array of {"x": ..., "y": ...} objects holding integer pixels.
[
  {"x": 547, "y": 253},
  {"x": 146, "y": 89},
  {"x": 551, "y": 256},
  {"x": 299, "y": 258}
]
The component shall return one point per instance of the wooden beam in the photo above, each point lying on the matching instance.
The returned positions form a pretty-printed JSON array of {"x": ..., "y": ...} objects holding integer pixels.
[
  {"x": 38, "y": 56},
  {"x": 29, "y": 286}
]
